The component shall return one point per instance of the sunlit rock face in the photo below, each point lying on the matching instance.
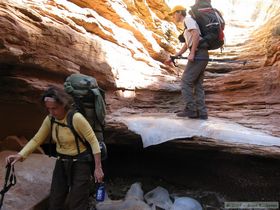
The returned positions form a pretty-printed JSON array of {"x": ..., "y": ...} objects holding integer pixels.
[{"x": 120, "y": 43}]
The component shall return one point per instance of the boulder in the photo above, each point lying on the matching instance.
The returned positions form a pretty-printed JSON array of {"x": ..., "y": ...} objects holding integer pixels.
[
  {"x": 133, "y": 201},
  {"x": 158, "y": 198},
  {"x": 184, "y": 203},
  {"x": 33, "y": 181}
]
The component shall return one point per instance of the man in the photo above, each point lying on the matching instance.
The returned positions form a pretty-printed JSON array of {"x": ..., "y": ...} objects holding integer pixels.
[{"x": 192, "y": 79}]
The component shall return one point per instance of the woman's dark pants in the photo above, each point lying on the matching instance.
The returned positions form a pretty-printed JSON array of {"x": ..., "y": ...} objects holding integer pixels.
[{"x": 73, "y": 181}]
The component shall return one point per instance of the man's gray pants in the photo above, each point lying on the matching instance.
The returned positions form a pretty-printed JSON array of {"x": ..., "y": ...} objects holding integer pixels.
[{"x": 192, "y": 84}]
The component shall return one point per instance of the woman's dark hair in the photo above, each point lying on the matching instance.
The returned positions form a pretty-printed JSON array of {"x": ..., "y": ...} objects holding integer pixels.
[{"x": 59, "y": 95}]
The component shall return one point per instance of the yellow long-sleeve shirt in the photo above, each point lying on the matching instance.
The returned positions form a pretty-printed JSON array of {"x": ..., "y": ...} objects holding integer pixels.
[{"x": 63, "y": 136}]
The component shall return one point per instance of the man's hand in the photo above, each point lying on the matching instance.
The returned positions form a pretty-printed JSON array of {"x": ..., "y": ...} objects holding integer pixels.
[
  {"x": 191, "y": 57},
  {"x": 169, "y": 62}
]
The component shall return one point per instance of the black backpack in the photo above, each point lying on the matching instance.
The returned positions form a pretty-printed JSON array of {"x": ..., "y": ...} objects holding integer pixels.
[{"x": 211, "y": 24}]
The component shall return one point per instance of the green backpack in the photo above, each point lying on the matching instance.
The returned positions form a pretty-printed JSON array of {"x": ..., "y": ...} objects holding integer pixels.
[{"x": 89, "y": 100}]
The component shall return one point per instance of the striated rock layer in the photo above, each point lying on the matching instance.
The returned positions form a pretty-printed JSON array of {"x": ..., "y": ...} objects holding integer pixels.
[
  {"x": 44, "y": 41},
  {"x": 123, "y": 45}
]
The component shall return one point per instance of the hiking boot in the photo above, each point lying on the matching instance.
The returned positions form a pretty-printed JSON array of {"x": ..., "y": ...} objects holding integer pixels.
[
  {"x": 182, "y": 114},
  {"x": 187, "y": 113},
  {"x": 181, "y": 111}
]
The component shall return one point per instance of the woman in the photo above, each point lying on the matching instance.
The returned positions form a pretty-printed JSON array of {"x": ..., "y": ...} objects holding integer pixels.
[{"x": 71, "y": 175}]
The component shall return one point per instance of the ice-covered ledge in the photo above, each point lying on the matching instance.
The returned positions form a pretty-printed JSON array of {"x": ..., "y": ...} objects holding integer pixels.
[{"x": 162, "y": 127}]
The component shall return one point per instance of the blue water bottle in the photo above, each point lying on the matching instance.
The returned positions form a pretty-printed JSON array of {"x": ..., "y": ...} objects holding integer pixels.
[{"x": 100, "y": 192}]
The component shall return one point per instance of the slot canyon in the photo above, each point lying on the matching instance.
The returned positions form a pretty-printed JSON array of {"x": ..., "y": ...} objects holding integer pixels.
[{"x": 233, "y": 156}]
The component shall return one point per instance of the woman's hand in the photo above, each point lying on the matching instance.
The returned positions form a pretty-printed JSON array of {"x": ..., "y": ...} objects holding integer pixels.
[
  {"x": 98, "y": 172},
  {"x": 98, "y": 175},
  {"x": 12, "y": 159}
]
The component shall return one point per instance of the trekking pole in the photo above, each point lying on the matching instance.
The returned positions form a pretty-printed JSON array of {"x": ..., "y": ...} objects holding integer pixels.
[
  {"x": 173, "y": 58},
  {"x": 9, "y": 177}
]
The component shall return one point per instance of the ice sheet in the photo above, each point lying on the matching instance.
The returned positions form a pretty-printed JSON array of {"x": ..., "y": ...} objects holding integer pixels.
[{"x": 158, "y": 128}]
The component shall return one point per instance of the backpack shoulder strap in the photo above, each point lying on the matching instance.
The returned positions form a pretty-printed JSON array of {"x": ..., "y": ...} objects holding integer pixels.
[
  {"x": 69, "y": 125},
  {"x": 73, "y": 130},
  {"x": 185, "y": 26},
  {"x": 56, "y": 122},
  {"x": 220, "y": 18}
]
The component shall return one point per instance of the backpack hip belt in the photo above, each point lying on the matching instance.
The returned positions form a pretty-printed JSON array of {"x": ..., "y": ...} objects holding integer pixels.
[{"x": 82, "y": 157}]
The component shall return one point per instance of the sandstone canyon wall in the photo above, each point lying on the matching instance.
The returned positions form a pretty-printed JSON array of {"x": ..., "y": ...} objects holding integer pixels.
[
  {"x": 123, "y": 44},
  {"x": 44, "y": 41}
]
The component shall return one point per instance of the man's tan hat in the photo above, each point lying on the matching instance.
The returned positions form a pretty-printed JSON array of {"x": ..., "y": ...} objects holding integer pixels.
[{"x": 176, "y": 9}]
